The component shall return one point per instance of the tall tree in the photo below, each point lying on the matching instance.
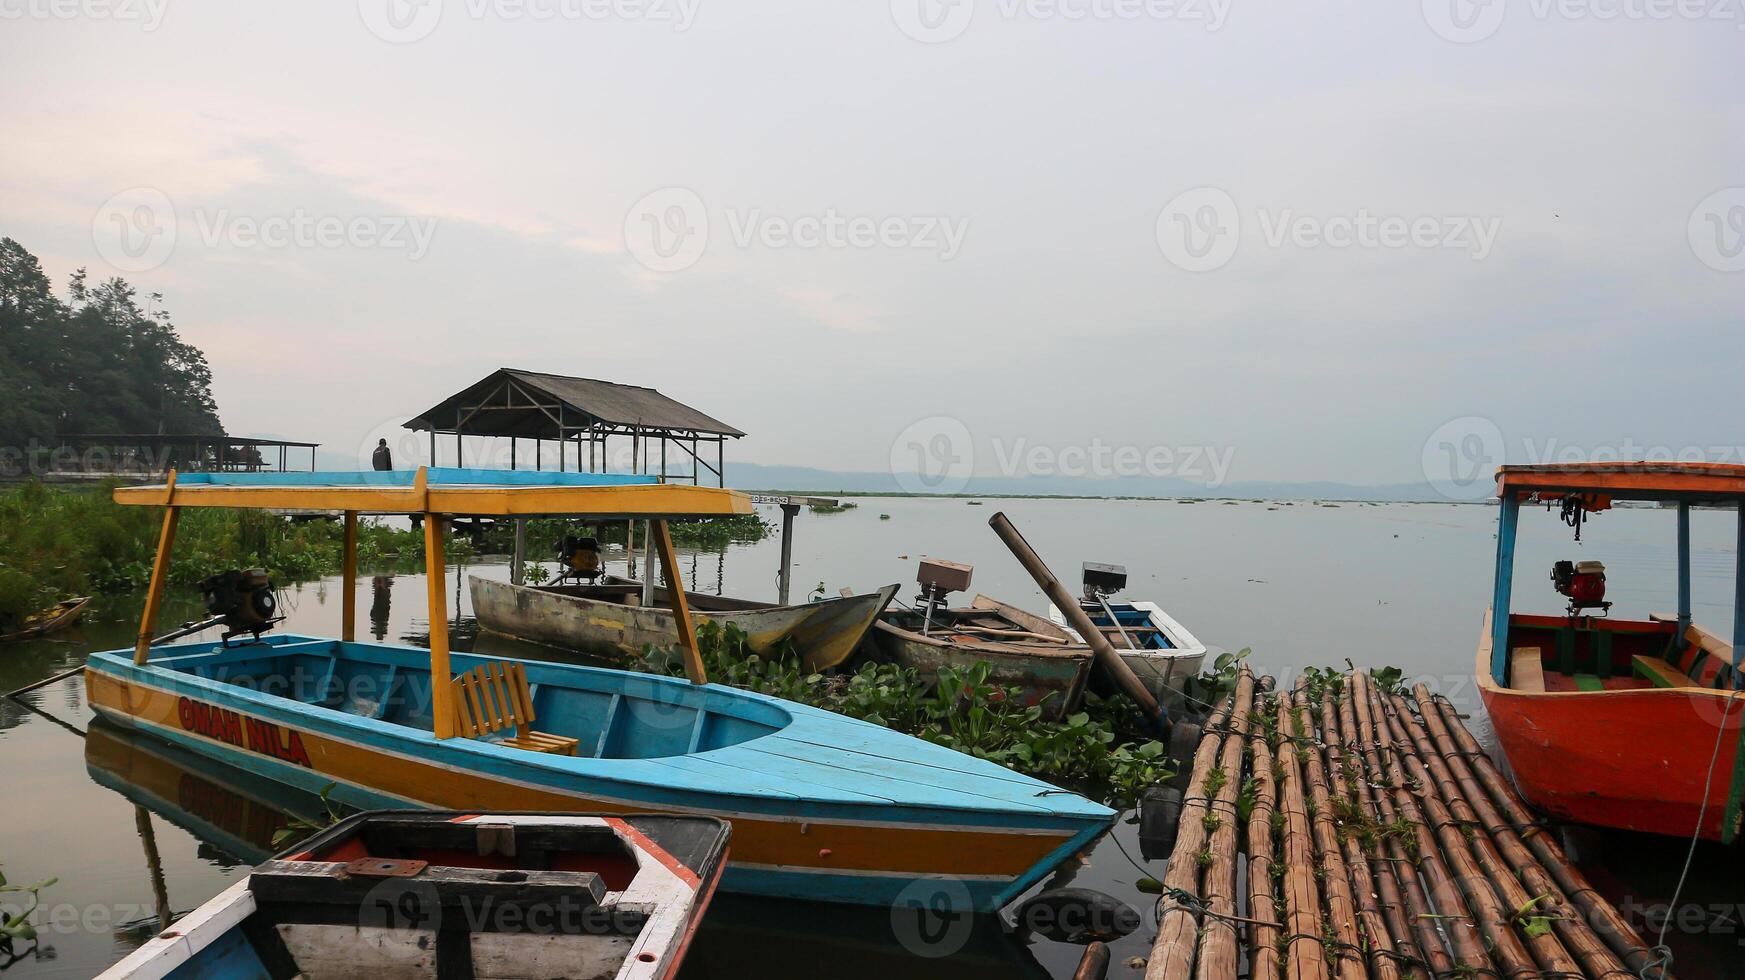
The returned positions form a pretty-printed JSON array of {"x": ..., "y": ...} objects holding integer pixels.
[{"x": 96, "y": 363}]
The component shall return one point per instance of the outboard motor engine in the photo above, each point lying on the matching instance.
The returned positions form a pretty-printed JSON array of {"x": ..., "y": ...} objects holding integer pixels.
[
  {"x": 1583, "y": 583},
  {"x": 1103, "y": 580},
  {"x": 939, "y": 579}
]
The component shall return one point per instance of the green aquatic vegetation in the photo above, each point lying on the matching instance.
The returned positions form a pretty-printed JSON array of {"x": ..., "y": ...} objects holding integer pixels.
[
  {"x": 16, "y": 926},
  {"x": 59, "y": 542},
  {"x": 299, "y": 828},
  {"x": 1097, "y": 751},
  {"x": 836, "y": 508}
]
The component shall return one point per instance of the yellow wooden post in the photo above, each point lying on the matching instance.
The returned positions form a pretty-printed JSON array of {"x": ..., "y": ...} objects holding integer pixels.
[
  {"x": 348, "y": 608},
  {"x": 662, "y": 541},
  {"x": 441, "y": 683},
  {"x": 160, "y": 572}
]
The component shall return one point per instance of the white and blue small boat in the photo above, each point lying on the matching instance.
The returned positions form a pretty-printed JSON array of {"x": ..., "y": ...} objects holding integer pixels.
[
  {"x": 823, "y": 807},
  {"x": 1160, "y": 651}
]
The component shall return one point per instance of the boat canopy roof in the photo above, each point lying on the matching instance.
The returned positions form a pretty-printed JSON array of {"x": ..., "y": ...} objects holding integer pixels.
[
  {"x": 440, "y": 490},
  {"x": 1684, "y": 482}
]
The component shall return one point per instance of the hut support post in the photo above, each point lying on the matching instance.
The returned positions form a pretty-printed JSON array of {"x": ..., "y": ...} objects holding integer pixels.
[
  {"x": 1684, "y": 574},
  {"x": 348, "y": 558},
  {"x": 517, "y": 561},
  {"x": 785, "y": 578},
  {"x": 441, "y": 693},
  {"x": 160, "y": 572},
  {"x": 1505, "y": 583},
  {"x": 662, "y": 542}
]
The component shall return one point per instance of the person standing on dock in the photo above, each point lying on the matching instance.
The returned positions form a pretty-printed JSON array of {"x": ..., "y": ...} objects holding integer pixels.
[{"x": 382, "y": 458}]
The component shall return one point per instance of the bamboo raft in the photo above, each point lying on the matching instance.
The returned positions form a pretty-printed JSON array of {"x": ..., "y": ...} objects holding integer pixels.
[{"x": 1344, "y": 832}]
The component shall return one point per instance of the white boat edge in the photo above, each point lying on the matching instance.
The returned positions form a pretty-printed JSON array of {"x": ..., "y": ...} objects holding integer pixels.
[{"x": 1180, "y": 664}]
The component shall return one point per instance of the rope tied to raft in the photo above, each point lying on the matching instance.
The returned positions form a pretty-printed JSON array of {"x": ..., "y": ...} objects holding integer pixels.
[{"x": 1660, "y": 967}]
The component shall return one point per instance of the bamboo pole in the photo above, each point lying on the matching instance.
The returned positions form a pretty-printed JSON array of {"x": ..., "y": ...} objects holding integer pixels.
[
  {"x": 1385, "y": 854},
  {"x": 1263, "y": 951},
  {"x": 1172, "y": 956},
  {"x": 1329, "y": 859},
  {"x": 1443, "y": 898},
  {"x": 348, "y": 579},
  {"x": 1546, "y": 947},
  {"x": 1488, "y": 913},
  {"x": 160, "y": 572},
  {"x": 1606, "y": 921},
  {"x": 1347, "y": 820},
  {"x": 1302, "y": 899},
  {"x": 1219, "y": 946}
]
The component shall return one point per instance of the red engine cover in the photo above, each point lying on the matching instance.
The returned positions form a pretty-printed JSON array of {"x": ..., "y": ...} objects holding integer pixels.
[{"x": 1588, "y": 588}]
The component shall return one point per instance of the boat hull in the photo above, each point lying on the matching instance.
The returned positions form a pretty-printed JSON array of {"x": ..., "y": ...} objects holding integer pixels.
[
  {"x": 1627, "y": 759},
  {"x": 1052, "y": 677},
  {"x": 800, "y": 831},
  {"x": 823, "y": 633},
  {"x": 1164, "y": 672}
]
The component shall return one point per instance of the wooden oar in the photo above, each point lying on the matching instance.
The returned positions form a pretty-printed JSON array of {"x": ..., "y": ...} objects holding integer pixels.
[{"x": 63, "y": 675}]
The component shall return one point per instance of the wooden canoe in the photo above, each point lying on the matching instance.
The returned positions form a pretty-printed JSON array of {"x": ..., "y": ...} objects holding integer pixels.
[
  {"x": 1024, "y": 650},
  {"x": 609, "y": 621},
  {"x": 53, "y": 619}
]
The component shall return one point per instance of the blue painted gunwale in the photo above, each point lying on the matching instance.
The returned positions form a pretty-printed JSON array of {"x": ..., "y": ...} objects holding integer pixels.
[
  {"x": 435, "y": 476},
  {"x": 818, "y": 767}
]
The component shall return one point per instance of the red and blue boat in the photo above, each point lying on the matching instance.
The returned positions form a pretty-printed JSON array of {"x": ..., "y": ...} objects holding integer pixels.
[{"x": 1630, "y": 723}]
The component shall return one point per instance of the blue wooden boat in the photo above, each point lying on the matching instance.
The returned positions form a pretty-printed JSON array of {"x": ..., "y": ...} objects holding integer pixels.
[{"x": 823, "y": 807}]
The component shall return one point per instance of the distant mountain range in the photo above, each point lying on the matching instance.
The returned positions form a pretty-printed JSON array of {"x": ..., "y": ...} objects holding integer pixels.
[{"x": 802, "y": 479}]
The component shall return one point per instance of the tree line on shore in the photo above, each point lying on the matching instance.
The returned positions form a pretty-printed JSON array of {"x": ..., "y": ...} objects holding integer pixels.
[{"x": 95, "y": 362}]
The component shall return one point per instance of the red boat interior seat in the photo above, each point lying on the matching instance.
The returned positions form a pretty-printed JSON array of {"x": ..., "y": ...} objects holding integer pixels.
[
  {"x": 1527, "y": 669},
  {"x": 1659, "y": 673}
]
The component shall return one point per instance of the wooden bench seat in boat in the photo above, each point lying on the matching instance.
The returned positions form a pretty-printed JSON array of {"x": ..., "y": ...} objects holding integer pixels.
[
  {"x": 495, "y": 696},
  {"x": 1660, "y": 673},
  {"x": 1526, "y": 670}
]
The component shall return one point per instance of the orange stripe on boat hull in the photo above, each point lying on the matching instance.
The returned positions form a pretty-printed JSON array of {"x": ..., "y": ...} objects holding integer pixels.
[
  {"x": 820, "y": 846},
  {"x": 1630, "y": 759}
]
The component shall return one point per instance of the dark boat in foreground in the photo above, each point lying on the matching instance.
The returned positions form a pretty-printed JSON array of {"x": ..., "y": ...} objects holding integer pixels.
[{"x": 428, "y": 893}]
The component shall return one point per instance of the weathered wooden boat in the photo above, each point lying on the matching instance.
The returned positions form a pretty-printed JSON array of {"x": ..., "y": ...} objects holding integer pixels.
[
  {"x": 1022, "y": 650},
  {"x": 53, "y": 619},
  {"x": 429, "y": 894},
  {"x": 824, "y": 807},
  {"x": 1160, "y": 651},
  {"x": 608, "y": 619},
  {"x": 1628, "y": 723}
]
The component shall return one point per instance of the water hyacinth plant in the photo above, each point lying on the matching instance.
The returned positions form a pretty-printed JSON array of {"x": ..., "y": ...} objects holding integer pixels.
[{"x": 1099, "y": 751}]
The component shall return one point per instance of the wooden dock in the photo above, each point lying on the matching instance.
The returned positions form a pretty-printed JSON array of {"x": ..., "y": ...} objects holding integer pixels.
[{"x": 1344, "y": 832}]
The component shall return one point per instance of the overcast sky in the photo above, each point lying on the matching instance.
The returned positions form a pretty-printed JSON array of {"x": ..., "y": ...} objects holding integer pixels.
[{"x": 1330, "y": 240}]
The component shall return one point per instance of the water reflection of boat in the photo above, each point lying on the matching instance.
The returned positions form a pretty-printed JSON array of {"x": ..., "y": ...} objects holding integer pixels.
[
  {"x": 438, "y": 894},
  {"x": 824, "y": 807},
  {"x": 914, "y": 942},
  {"x": 608, "y": 619},
  {"x": 227, "y": 808}
]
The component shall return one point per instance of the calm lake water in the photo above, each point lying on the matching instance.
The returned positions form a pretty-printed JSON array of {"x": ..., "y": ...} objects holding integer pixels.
[{"x": 132, "y": 828}]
